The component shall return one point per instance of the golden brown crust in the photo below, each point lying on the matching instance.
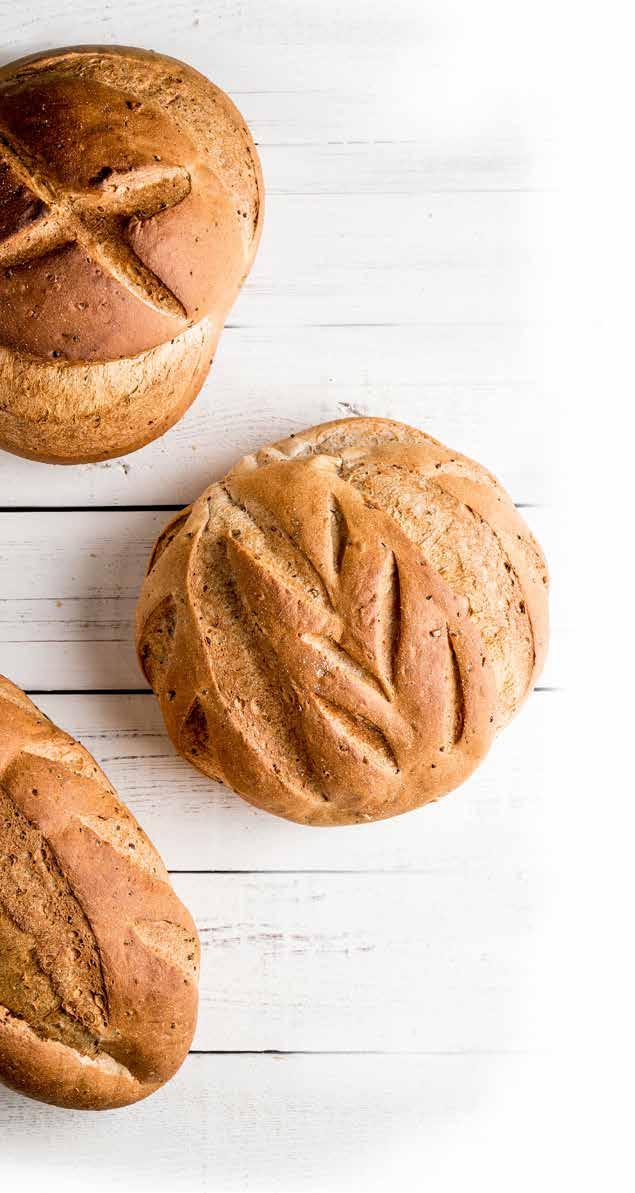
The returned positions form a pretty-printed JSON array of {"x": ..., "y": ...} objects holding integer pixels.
[
  {"x": 130, "y": 214},
  {"x": 98, "y": 957},
  {"x": 117, "y": 407},
  {"x": 338, "y": 629}
]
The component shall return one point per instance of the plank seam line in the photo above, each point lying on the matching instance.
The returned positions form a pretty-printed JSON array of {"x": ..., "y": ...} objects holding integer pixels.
[
  {"x": 346, "y": 326},
  {"x": 365, "y": 1052},
  {"x": 89, "y": 509},
  {"x": 414, "y": 193},
  {"x": 88, "y": 691},
  {"x": 148, "y": 691},
  {"x": 403, "y": 873},
  {"x": 159, "y": 509}
]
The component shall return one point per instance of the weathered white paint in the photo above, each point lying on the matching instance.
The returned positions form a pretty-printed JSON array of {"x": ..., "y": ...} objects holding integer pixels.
[
  {"x": 69, "y": 583},
  {"x": 411, "y": 209},
  {"x": 198, "y": 824},
  {"x": 442, "y": 961},
  {"x": 417, "y": 308},
  {"x": 297, "y": 1124},
  {"x": 469, "y": 386},
  {"x": 408, "y": 170}
]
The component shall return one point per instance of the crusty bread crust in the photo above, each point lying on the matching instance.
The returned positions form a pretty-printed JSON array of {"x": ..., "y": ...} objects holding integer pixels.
[
  {"x": 98, "y": 958},
  {"x": 48, "y": 1071},
  {"x": 338, "y": 629},
  {"x": 117, "y": 406},
  {"x": 131, "y": 204}
]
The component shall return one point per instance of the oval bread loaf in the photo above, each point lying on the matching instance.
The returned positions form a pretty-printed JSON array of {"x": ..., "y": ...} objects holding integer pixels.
[
  {"x": 131, "y": 204},
  {"x": 98, "y": 957},
  {"x": 339, "y": 628}
]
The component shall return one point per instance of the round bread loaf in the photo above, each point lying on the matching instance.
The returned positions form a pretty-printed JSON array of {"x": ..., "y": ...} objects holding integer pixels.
[
  {"x": 98, "y": 957},
  {"x": 131, "y": 204},
  {"x": 338, "y": 629}
]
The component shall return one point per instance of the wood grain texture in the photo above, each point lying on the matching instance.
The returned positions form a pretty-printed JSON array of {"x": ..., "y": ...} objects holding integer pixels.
[
  {"x": 331, "y": 164},
  {"x": 333, "y": 73},
  {"x": 400, "y": 275},
  {"x": 293, "y": 1124},
  {"x": 197, "y": 824},
  {"x": 458, "y": 384},
  {"x": 434, "y": 962},
  {"x": 69, "y": 583},
  {"x": 438, "y": 962},
  {"x": 410, "y": 259},
  {"x": 420, "y": 216},
  {"x": 399, "y": 306}
]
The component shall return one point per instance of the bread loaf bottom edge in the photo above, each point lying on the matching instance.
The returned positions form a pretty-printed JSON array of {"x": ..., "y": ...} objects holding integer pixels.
[
  {"x": 51, "y": 1072},
  {"x": 82, "y": 413}
]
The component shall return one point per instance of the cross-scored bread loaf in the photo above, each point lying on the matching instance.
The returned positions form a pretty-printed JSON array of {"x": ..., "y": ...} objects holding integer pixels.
[
  {"x": 131, "y": 204},
  {"x": 98, "y": 957},
  {"x": 338, "y": 629}
]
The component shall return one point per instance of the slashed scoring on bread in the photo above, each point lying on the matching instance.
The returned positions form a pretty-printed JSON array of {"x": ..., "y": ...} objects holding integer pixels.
[
  {"x": 130, "y": 213},
  {"x": 98, "y": 957},
  {"x": 339, "y": 628}
]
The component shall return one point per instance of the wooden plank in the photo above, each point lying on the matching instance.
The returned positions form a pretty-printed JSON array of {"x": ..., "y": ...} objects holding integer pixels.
[
  {"x": 428, "y": 259},
  {"x": 400, "y": 171},
  {"x": 200, "y": 825},
  {"x": 69, "y": 585},
  {"x": 328, "y": 74},
  {"x": 399, "y": 962},
  {"x": 450, "y": 263},
  {"x": 475, "y": 388},
  {"x": 296, "y": 1123},
  {"x": 422, "y": 166},
  {"x": 394, "y": 258},
  {"x": 439, "y": 962}
]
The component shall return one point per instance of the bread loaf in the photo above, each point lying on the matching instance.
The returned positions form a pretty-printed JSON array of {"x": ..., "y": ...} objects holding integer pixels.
[
  {"x": 98, "y": 957},
  {"x": 131, "y": 205},
  {"x": 339, "y": 628}
]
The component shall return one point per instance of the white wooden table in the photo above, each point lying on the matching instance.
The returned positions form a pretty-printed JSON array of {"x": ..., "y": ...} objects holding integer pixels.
[{"x": 370, "y": 997}]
